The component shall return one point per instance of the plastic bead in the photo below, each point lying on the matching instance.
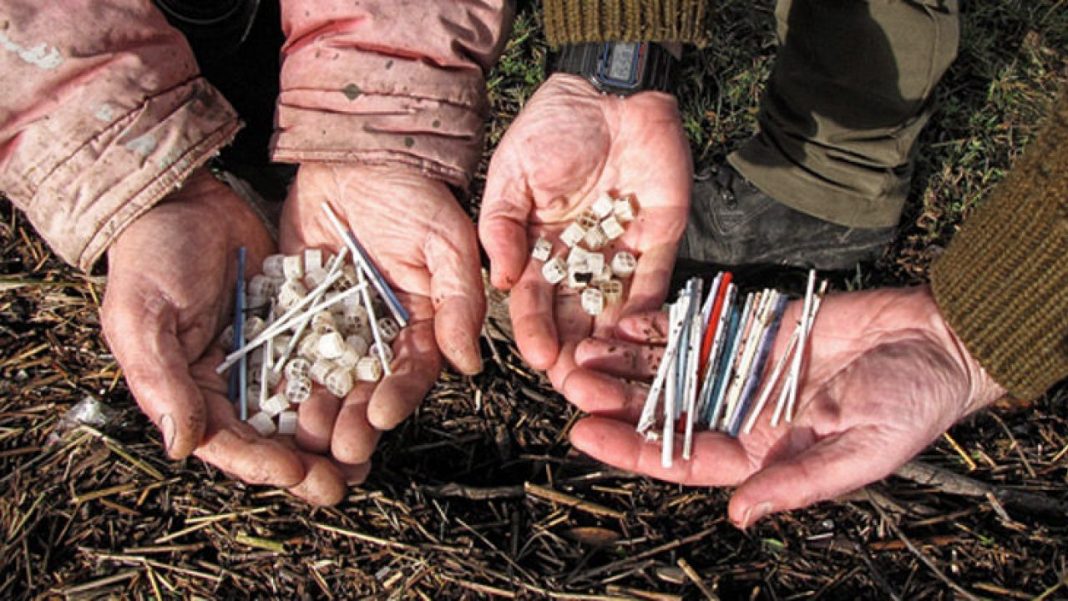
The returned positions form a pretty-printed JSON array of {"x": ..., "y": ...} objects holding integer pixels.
[
  {"x": 339, "y": 382},
  {"x": 595, "y": 238},
  {"x": 554, "y": 271},
  {"x": 297, "y": 368},
  {"x": 368, "y": 370},
  {"x": 611, "y": 228},
  {"x": 291, "y": 293},
  {"x": 312, "y": 279},
  {"x": 542, "y": 249},
  {"x": 348, "y": 358},
  {"x": 331, "y": 345},
  {"x": 578, "y": 279},
  {"x": 323, "y": 322},
  {"x": 357, "y": 343},
  {"x": 279, "y": 346},
  {"x": 309, "y": 346},
  {"x": 274, "y": 404},
  {"x": 387, "y": 352},
  {"x": 594, "y": 263},
  {"x": 587, "y": 221},
  {"x": 261, "y": 285},
  {"x": 624, "y": 208},
  {"x": 577, "y": 256},
  {"x": 320, "y": 370},
  {"x": 313, "y": 260},
  {"x": 226, "y": 339},
  {"x": 603, "y": 276},
  {"x": 612, "y": 291},
  {"x": 388, "y": 329},
  {"x": 298, "y": 390},
  {"x": 287, "y": 423},
  {"x": 572, "y": 235},
  {"x": 272, "y": 266},
  {"x": 592, "y": 301},
  {"x": 293, "y": 268},
  {"x": 624, "y": 264},
  {"x": 253, "y": 327},
  {"x": 603, "y": 206},
  {"x": 262, "y": 423}
]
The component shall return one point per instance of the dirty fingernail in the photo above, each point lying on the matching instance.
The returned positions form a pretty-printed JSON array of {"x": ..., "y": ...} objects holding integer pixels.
[
  {"x": 166, "y": 426},
  {"x": 755, "y": 514}
]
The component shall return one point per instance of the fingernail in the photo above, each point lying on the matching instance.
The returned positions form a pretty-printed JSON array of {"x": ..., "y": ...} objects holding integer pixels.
[
  {"x": 166, "y": 425},
  {"x": 755, "y": 514}
]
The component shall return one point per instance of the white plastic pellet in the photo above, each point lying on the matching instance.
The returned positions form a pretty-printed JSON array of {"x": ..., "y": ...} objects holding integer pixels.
[
  {"x": 388, "y": 329},
  {"x": 624, "y": 209},
  {"x": 291, "y": 293},
  {"x": 386, "y": 352},
  {"x": 612, "y": 228},
  {"x": 348, "y": 277},
  {"x": 602, "y": 207},
  {"x": 587, "y": 220},
  {"x": 262, "y": 423},
  {"x": 309, "y": 346},
  {"x": 274, "y": 404},
  {"x": 261, "y": 285},
  {"x": 595, "y": 238},
  {"x": 331, "y": 345},
  {"x": 272, "y": 266},
  {"x": 293, "y": 267},
  {"x": 320, "y": 369},
  {"x": 542, "y": 249},
  {"x": 348, "y": 358},
  {"x": 253, "y": 301},
  {"x": 369, "y": 370},
  {"x": 339, "y": 382},
  {"x": 357, "y": 343},
  {"x": 297, "y": 368},
  {"x": 572, "y": 235},
  {"x": 323, "y": 322},
  {"x": 313, "y": 278},
  {"x": 287, "y": 423},
  {"x": 577, "y": 278},
  {"x": 298, "y": 390},
  {"x": 612, "y": 291},
  {"x": 594, "y": 263},
  {"x": 554, "y": 271},
  {"x": 624, "y": 264},
  {"x": 603, "y": 276},
  {"x": 313, "y": 260},
  {"x": 592, "y": 301},
  {"x": 254, "y": 326},
  {"x": 577, "y": 256}
]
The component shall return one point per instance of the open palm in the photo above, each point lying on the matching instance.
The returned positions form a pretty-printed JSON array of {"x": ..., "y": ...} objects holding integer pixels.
[{"x": 569, "y": 146}]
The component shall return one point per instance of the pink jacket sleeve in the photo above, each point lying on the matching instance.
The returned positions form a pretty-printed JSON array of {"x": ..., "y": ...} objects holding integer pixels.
[
  {"x": 388, "y": 81},
  {"x": 103, "y": 112}
]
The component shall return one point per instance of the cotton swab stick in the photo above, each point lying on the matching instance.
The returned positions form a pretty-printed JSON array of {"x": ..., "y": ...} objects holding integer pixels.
[
  {"x": 774, "y": 318},
  {"x": 769, "y": 386},
  {"x": 648, "y": 416}
]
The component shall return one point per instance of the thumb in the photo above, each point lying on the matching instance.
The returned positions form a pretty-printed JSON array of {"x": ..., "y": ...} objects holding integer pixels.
[
  {"x": 503, "y": 220},
  {"x": 142, "y": 334},
  {"x": 457, "y": 293},
  {"x": 827, "y": 469}
]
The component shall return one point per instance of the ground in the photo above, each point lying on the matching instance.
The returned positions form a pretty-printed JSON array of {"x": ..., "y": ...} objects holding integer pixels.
[{"x": 479, "y": 494}]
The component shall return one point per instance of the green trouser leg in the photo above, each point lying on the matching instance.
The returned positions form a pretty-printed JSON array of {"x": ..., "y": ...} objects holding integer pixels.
[{"x": 849, "y": 94}]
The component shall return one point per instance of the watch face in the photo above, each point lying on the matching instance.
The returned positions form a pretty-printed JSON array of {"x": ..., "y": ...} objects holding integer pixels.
[{"x": 619, "y": 65}]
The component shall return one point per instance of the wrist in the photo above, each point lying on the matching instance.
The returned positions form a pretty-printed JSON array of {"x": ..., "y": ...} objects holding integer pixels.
[{"x": 620, "y": 68}]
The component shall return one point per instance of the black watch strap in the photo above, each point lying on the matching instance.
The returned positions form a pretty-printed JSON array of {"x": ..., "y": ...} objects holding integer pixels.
[{"x": 603, "y": 64}]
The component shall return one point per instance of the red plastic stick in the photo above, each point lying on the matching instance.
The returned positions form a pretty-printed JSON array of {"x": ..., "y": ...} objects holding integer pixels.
[{"x": 713, "y": 319}]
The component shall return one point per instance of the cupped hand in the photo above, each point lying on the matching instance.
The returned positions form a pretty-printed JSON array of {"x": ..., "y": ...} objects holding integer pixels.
[
  {"x": 425, "y": 246},
  {"x": 570, "y": 145},
  {"x": 170, "y": 289},
  {"x": 884, "y": 378}
]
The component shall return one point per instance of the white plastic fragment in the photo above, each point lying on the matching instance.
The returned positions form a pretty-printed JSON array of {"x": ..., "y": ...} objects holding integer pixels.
[
  {"x": 331, "y": 345},
  {"x": 287, "y": 423},
  {"x": 612, "y": 228},
  {"x": 292, "y": 267},
  {"x": 623, "y": 264},
  {"x": 594, "y": 263},
  {"x": 309, "y": 347},
  {"x": 357, "y": 343},
  {"x": 297, "y": 368},
  {"x": 339, "y": 382},
  {"x": 369, "y": 369},
  {"x": 323, "y": 322},
  {"x": 602, "y": 207},
  {"x": 262, "y": 423},
  {"x": 603, "y": 276},
  {"x": 572, "y": 235},
  {"x": 261, "y": 285},
  {"x": 272, "y": 266},
  {"x": 554, "y": 271},
  {"x": 291, "y": 293},
  {"x": 320, "y": 370},
  {"x": 313, "y": 260},
  {"x": 592, "y": 301},
  {"x": 577, "y": 279},
  {"x": 348, "y": 358},
  {"x": 298, "y": 390},
  {"x": 388, "y": 329},
  {"x": 542, "y": 249},
  {"x": 624, "y": 208},
  {"x": 254, "y": 326},
  {"x": 595, "y": 238},
  {"x": 274, "y": 404},
  {"x": 315, "y": 277},
  {"x": 381, "y": 352},
  {"x": 612, "y": 291}
]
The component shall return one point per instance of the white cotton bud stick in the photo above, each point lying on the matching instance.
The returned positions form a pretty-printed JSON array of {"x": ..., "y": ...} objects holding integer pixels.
[
  {"x": 769, "y": 386},
  {"x": 648, "y": 415},
  {"x": 262, "y": 423},
  {"x": 372, "y": 319},
  {"x": 795, "y": 369},
  {"x": 287, "y": 423},
  {"x": 265, "y": 370}
]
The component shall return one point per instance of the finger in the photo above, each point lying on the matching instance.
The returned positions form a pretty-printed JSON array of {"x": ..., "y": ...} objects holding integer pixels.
[
  {"x": 142, "y": 335},
  {"x": 315, "y": 421},
  {"x": 354, "y": 473},
  {"x": 415, "y": 369},
  {"x": 717, "y": 459},
  {"x": 605, "y": 396},
  {"x": 573, "y": 325},
  {"x": 355, "y": 438},
  {"x": 644, "y": 328},
  {"x": 531, "y": 309},
  {"x": 827, "y": 469},
  {"x": 502, "y": 221},
  {"x": 649, "y": 284},
  {"x": 456, "y": 291},
  {"x": 619, "y": 358},
  {"x": 323, "y": 483},
  {"x": 236, "y": 448}
]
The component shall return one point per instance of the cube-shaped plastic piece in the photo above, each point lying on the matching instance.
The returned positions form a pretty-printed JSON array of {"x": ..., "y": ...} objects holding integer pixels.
[
  {"x": 603, "y": 276},
  {"x": 387, "y": 352},
  {"x": 320, "y": 369},
  {"x": 388, "y": 329},
  {"x": 309, "y": 346},
  {"x": 298, "y": 390},
  {"x": 348, "y": 278},
  {"x": 313, "y": 260},
  {"x": 287, "y": 423},
  {"x": 272, "y": 266},
  {"x": 262, "y": 424},
  {"x": 592, "y": 301},
  {"x": 542, "y": 249},
  {"x": 297, "y": 368},
  {"x": 348, "y": 358},
  {"x": 624, "y": 264},
  {"x": 293, "y": 267},
  {"x": 274, "y": 404},
  {"x": 587, "y": 220},
  {"x": 577, "y": 256},
  {"x": 291, "y": 293},
  {"x": 577, "y": 280},
  {"x": 254, "y": 302},
  {"x": 323, "y": 322},
  {"x": 369, "y": 370},
  {"x": 572, "y": 235},
  {"x": 602, "y": 207},
  {"x": 595, "y": 238},
  {"x": 625, "y": 208},
  {"x": 554, "y": 271},
  {"x": 254, "y": 326},
  {"x": 594, "y": 263},
  {"x": 312, "y": 279},
  {"x": 331, "y": 345},
  {"x": 339, "y": 382},
  {"x": 357, "y": 343},
  {"x": 261, "y": 285},
  {"x": 612, "y": 228},
  {"x": 612, "y": 291}
]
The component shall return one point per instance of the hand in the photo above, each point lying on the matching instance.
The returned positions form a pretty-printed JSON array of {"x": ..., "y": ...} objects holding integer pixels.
[
  {"x": 424, "y": 244},
  {"x": 171, "y": 277},
  {"x": 884, "y": 378},
  {"x": 570, "y": 145}
]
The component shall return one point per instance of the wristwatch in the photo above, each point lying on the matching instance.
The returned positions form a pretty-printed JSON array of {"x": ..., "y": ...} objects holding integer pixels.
[{"x": 621, "y": 68}]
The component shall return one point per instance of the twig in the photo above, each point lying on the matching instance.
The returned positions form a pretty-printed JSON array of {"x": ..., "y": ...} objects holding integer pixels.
[
  {"x": 696, "y": 579},
  {"x": 952, "y": 483}
]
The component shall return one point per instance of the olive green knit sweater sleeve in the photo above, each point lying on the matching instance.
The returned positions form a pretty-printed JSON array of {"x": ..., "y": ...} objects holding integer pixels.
[
  {"x": 1003, "y": 283},
  {"x": 578, "y": 21}
]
